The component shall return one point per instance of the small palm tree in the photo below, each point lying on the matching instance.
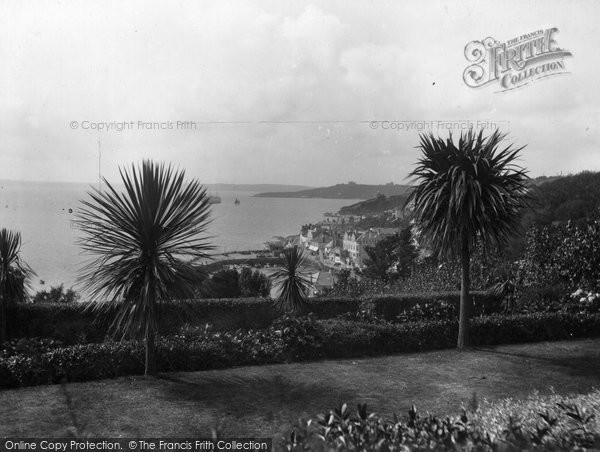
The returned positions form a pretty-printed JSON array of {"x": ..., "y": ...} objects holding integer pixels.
[
  {"x": 293, "y": 284},
  {"x": 467, "y": 193},
  {"x": 145, "y": 242},
  {"x": 14, "y": 275}
]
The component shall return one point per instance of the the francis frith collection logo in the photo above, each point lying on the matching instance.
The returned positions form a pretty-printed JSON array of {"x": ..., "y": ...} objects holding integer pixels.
[{"x": 516, "y": 62}]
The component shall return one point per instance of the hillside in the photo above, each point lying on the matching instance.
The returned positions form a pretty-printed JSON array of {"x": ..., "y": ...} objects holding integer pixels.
[
  {"x": 375, "y": 206},
  {"x": 573, "y": 197},
  {"x": 556, "y": 199},
  {"x": 350, "y": 190},
  {"x": 257, "y": 187}
]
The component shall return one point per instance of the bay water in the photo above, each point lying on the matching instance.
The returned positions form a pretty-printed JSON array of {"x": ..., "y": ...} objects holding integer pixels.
[{"x": 43, "y": 214}]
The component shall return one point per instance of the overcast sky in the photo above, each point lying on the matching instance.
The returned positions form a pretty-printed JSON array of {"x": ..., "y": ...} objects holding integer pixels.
[{"x": 281, "y": 92}]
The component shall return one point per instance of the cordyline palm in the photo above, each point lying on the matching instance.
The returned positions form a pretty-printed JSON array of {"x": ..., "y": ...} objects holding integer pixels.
[
  {"x": 145, "y": 242},
  {"x": 293, "y": 284},
  {"x": 14, "y": 275},
  {"x": 467, "y": 193}
]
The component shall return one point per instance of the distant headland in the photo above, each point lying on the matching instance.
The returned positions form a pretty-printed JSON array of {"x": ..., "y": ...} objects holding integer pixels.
[{"x": 351, "y": 190}]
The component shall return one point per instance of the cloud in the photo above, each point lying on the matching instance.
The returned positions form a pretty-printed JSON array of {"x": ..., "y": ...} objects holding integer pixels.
[{"x": 314, "y": 70}]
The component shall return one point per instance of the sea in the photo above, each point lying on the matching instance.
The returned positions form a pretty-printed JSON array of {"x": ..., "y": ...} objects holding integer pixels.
[{"x": 43, "y": 213}]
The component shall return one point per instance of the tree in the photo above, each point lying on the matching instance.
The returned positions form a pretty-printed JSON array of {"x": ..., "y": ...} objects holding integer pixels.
[
  {"x": 392, "y": 257},
  {"x": 14, "y": 276},
  {"x": 145, "y": 244},
  {"x": 222, "y": 284},
  {"x": 229, "y": 283},
  {"x": 405, "y": 252},
  {"x": 467, "y": 193},
  {"x": 254, "y": 283},
  {"x": 56, "y": 294},
  {"x": 293, "y": 284}
]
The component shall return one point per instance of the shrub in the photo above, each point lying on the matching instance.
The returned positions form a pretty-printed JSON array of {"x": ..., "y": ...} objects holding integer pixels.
[
  {"x": 564, "y": 257},
  {"x": 301, "y": 338},
  {"x": 254, "y": 283},
  {"x": 426, "y": 306},
  {"x": 28, "y": 346},
  {"x": 552, "y": 423},
  {"x": 434, "y": 275}
]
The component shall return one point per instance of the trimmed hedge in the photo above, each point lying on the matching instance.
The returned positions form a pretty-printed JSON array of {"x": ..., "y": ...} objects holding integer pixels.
[
  {"x": 71, "y": 323},
  {"x": 287, "y": 340}
]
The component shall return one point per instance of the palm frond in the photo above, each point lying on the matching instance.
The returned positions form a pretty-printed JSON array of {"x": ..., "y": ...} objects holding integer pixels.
[
  {"x": 144, "y": 243},
  {"x": 473, "y": 186},
  {"x": 15, "y": 274},
  {"x": 292, "y": 283}
]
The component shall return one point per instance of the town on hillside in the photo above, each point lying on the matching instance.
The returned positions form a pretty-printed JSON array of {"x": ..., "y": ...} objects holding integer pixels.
[{"x": 340, "y": 241}]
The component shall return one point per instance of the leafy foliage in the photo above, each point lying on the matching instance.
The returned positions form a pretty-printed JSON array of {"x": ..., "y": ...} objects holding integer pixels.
[
  {"x": 558, "y": 260},
  {"x": 564, "y": 425},
  {"x": 440, "y": 275},
  {"x": 346, "y": 285}
]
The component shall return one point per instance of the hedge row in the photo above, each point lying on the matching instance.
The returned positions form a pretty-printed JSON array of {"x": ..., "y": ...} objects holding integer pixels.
[
  {"x": 287, "y": 340},
  {"x": 72, "y": 323}
]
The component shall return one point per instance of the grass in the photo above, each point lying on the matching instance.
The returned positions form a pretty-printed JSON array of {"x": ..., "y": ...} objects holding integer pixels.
[{"x": 266, "y": 400}]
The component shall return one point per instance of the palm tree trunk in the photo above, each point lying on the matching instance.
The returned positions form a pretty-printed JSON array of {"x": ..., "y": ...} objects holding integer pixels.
[
  {"x": 465, "y": 301},
  {"x": 150, "y": 331},
  {"x": 2, "y": 320},
  {"x": 150, "y": 369},
  {"x": 3, "y": 335}
]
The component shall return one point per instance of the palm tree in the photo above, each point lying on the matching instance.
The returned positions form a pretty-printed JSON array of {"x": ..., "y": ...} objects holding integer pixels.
[
  {"x": 14, "y": 275},
  {"x": 293, "y": 284},
  {"x": 466, "y": 194},
  {"x": 145, "y": 242}
]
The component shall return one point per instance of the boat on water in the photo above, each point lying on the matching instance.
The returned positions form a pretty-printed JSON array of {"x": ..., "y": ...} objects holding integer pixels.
[
  {"x": 214, "y": 200},
  {"x": 236, "y": 202}
]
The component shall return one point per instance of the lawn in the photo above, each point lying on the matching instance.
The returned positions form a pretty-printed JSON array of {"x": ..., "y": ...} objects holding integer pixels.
[{"x": 265, "y": 400}]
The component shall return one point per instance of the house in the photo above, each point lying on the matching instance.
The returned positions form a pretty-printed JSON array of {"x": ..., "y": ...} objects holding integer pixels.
[
  {"x": 355, "y": 243},
  {"x": 350, "y": 245},
  {"x": 316, "y": 239}
]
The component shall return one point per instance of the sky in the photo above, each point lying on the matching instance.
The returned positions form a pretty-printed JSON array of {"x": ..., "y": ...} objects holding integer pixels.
[{"x": 298, "y": 92}]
